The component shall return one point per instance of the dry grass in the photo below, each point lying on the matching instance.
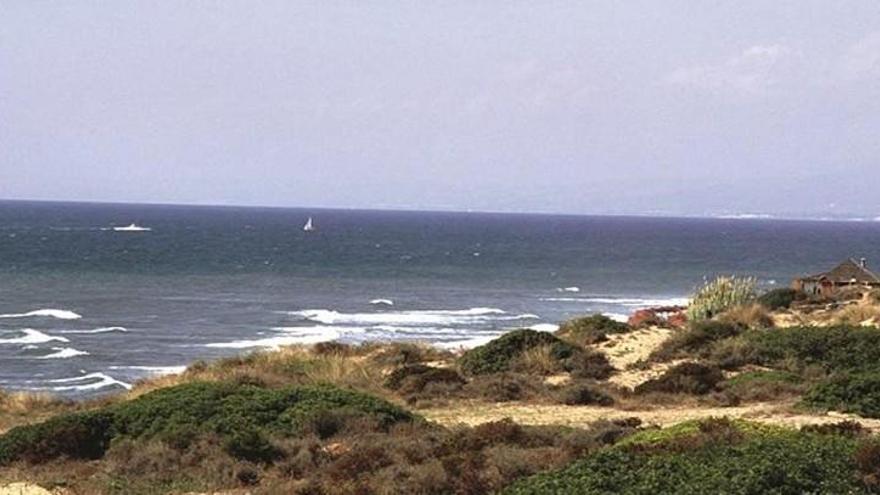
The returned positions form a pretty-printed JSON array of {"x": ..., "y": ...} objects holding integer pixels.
[
  {"x": 537, "y": 360},
  {"x": 17, "y": 408},
  {"x": 864, "y": 313},
  {"x": 749, "y": 315}
]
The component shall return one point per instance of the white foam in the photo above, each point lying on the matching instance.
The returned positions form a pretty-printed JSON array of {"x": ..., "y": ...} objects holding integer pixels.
[
  {"x": 61, "y": 314},
  {"x": 544, "y": 327},
  {"x": 96, "y": 330},
  {"x": 305, "y": 335},
  {"x": 33, "y": 337},
  {"x": 382, "y": 302},
  {"x": 154, "y": 370},
  {"x": 64, "y": 353},
  {"x": 467, "y": 343},
  {"x": 408, "y": 318},
  {"x": 568, "y": 289},
  {"x": 99, "y": 380},
  {"x": 630, "y": 302},
  {"x": 622, "y": 318}
]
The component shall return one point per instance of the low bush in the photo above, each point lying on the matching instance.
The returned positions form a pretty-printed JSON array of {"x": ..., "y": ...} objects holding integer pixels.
[
  {"x": 857, "y": 393},
  {"x": 719, "y": 295},
  {"x": 845, "y": 428},
  {"x": 780, "y": 298},
  {"x": 590, "y": 364},
  {"x": 589, "y": 330},
  {"x": 764, "y": 385},
  {"x": 747, "y": 316},
  {"x": 241, "y": 414},
  {"x": 76, "y": 436},
  {"x": 497, "y": 355},
  {"x": 583, "y": 395},
  {"x": 505, "y": 387},
  {"x": 714, "y": 460},
  {"x": 685, "y": 378},
  {"x": 840, "y": 348},
  {"x": 695, "y": 340},
  {"x": 413, "y": 378}
]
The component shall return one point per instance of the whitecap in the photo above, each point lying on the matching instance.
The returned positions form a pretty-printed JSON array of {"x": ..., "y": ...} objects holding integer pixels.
[
  {"x": 630, "y": 302},
  {"x": 620, "y": 317},
  {"x": 544, "y": 327},
  {"x": 412, "y": 318},
  {"x": 568, "y": 289},
  {"x": 61, "y": 314},
  {"x": 467, "y": 343},
  {"x": 306, "y": 337},
  {"x": 154, "y": 370},
  {"x": 96, "y": 330},
  {"x": 98, "y": 381},
  {"x": 64, "y": 353},
  {"x": 33, "y": 337},
  {"x": 382, "y": 302}
]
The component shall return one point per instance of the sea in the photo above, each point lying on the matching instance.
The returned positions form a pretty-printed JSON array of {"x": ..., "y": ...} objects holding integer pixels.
[{"x": 94, "y": 297}]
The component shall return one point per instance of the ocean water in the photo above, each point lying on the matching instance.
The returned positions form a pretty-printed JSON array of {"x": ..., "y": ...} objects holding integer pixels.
[{"x": 87, "y": 309}]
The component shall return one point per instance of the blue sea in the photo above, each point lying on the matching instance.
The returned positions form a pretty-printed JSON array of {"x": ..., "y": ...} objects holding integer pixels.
[{"x": 88, "y": 306}]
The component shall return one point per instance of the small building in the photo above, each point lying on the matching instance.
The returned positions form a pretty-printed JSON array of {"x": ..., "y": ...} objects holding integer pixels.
[{"x": 850, "y": 273}]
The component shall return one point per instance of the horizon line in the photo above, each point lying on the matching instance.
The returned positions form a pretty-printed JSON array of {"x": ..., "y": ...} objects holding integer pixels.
[{"x": 405, "y": 209}]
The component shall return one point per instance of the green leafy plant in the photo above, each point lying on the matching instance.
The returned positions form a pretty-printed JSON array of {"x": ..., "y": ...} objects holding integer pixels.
[
  {"x": 718, "y": 295},
  {"x": 588, "y": 330},
  {"x": 497, "y": 355},
  {"x": 780, "y": 298}
]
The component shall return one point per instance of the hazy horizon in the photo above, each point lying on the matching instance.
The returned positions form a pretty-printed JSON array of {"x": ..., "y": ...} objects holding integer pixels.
[{"x": 647, "y": 108}]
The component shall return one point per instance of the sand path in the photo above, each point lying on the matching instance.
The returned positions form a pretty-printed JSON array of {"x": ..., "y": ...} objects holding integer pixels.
[{"x": 579, "y": 416}]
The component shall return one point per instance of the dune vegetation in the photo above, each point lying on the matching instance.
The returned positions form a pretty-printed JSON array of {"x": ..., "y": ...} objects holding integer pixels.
[{"x": 739, "y": 400}]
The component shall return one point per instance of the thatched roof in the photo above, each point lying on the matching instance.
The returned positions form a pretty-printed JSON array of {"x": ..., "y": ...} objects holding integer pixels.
[{"x": 848, "y": 272}]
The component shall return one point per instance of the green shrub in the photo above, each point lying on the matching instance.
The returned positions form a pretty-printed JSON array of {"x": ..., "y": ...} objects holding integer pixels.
[
  {"x": 857, "y": 393},
  {"x": 721, "y": 294},
  {"x": 695, "y": 341},
  {"x": 77, "y": 436},
  {"x": 757, "y": 378},
  {"x": 584, "y": 395},
  {"x": 590, "y": 330},
  {"x": 243, "y": 415},
  {"x": 840, "y": 348},
  {"x": 764, "y": 385},
  {"x": 709, "y": 460},
  {"x": 251, "y": 445},
  {"x": 413, "y": 378},
  {"x": 779, "y": 298},
  {"x": 686, "y": 378},
  {"x": 497, "y": 355}
]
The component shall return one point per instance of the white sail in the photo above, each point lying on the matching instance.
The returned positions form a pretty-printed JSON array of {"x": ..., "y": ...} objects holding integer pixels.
[{"x": 309, "y": 226}]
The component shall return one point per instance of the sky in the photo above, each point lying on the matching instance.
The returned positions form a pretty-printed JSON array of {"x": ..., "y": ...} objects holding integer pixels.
[{"x": 640, "y": 107}]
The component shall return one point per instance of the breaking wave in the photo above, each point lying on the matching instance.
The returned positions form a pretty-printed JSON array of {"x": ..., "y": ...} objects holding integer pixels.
[
  {"x": 290, "y": 336},
  {"x": 154, "y": 370},
  {"x": 96, "y": 330},
  {"x": 382, "y": 302},
  {"x": 629, "y": 302},
  {"x": 61, "y": 314},
  {"x": 33, "y": 337},
  {"x": 93, "y": 381},
  {"x": 64, "y": 353},
  {"x": 410, "y": 318}
]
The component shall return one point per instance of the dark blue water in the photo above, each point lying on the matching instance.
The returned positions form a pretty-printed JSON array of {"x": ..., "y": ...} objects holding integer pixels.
[{"x": 205, "y": 282}]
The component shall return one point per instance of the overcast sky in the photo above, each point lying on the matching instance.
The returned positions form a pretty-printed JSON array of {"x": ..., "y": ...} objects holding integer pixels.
[{"x": 662, "y": 107}]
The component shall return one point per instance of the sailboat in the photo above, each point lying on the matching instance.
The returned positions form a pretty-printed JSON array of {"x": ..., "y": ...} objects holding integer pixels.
[{"x": 309, "y": 226}]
